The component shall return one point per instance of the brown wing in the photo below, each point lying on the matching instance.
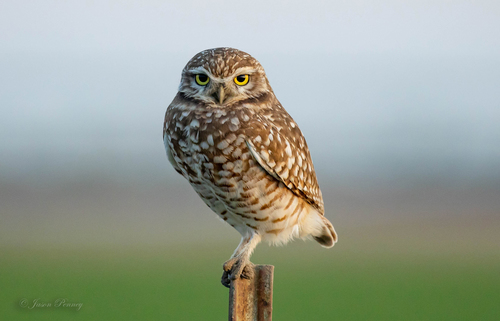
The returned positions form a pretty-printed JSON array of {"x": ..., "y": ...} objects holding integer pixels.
[{"x": 278, "y": 145}]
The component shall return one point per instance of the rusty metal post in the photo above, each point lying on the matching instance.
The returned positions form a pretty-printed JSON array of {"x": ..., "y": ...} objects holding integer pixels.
[{"x": 252, "y": 300}]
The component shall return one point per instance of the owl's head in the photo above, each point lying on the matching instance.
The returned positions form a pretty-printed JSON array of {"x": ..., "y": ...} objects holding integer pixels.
[{"x": 223, "y": 76}]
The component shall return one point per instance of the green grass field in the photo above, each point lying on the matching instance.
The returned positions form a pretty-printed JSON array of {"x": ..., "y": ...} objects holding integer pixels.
[{"x": 350, "y": 282}]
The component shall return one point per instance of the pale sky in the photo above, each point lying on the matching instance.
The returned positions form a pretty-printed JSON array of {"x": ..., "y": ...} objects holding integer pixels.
[
  {"x": 422, "y": 27},
  {"x": 379, "y": 88}
]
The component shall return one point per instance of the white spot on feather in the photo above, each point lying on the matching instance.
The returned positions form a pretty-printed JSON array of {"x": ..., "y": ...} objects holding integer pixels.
[
  {"x": 225, "y": 173},
  {"x": 220, "y": 159},
  {"x": 240, "y": 140},
  {"x": 265, "y": 155},
  {"x": 228, "y": 166},
  {"x": 184, "y": 114},
  {"x": 288, "y": 150},
  {"x": 237, "y": 153},
  {"x": 223, "y": 144},
  {"x": 210, "y": 140},
  {"x": 195, "y": 123},
  {"x": 284, "y": 174},
  {"x": 228, "y": 150}
]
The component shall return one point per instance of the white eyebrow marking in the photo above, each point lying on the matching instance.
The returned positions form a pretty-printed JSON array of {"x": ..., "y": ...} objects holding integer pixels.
[
  {"x": 200, "y": 70},
  {"x": 245, "y": 70}
]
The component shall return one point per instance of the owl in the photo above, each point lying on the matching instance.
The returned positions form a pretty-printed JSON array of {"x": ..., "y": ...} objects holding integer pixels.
[{"x": 244, "y": 155}]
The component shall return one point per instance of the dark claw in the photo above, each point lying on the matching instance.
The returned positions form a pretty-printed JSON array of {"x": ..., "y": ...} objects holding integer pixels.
[{"x": 225, "y": 280}]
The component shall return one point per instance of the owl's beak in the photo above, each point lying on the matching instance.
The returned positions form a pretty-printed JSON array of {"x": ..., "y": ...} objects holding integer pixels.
[{"x": 219, "y": 95}]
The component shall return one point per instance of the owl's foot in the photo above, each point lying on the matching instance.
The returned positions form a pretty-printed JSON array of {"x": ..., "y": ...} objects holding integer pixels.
[{"x": 235, "y": 268}]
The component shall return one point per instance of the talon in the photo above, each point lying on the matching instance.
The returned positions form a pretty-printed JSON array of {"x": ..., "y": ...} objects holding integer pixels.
[
  {"x": 229, "y": 264},
  {"x": 225, "y": 280},
  {"x": 236, "y": 268}
]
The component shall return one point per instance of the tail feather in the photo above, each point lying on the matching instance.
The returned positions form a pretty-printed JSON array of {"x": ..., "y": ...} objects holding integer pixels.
[{"x": 327, "y": 237}]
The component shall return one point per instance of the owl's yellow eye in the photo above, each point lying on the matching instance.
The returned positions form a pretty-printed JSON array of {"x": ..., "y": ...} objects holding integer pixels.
[
  {"x": 241, "y": 80},
  {"x": 202, "y": 79}
]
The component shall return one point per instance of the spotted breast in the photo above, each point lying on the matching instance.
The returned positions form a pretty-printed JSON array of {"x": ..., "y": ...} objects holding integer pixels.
[{"x": 235, "y": 161}]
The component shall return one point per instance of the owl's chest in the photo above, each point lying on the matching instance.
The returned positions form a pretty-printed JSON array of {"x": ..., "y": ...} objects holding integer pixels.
[
  {"x": 208, "y": 145},
  {"x": 194, "y": 153}
]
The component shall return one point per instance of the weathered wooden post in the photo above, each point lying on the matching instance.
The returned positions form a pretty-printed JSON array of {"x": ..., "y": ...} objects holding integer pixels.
[{"x": 252, "y": 300}]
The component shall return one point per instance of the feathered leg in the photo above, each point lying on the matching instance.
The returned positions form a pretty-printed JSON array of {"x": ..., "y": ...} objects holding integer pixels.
[{"x": 239, "y": 264}]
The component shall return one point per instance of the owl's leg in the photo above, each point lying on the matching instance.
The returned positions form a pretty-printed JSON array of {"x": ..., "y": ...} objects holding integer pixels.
[{"x": 239, "y": 264}]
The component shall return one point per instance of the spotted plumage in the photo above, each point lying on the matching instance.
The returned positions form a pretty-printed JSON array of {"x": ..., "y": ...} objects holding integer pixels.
[{"x": 244, "y": 155}]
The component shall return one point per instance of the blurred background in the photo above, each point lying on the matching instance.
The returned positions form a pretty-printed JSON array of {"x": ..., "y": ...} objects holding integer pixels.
[{"x": 400, "y": 105}]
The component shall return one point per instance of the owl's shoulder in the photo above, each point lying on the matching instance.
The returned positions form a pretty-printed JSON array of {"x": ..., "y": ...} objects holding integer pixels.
[{"x": 280, "y": 148}]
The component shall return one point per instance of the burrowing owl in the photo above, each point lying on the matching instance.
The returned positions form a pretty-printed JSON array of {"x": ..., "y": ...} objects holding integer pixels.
[{"x": 227, "y": 133}]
